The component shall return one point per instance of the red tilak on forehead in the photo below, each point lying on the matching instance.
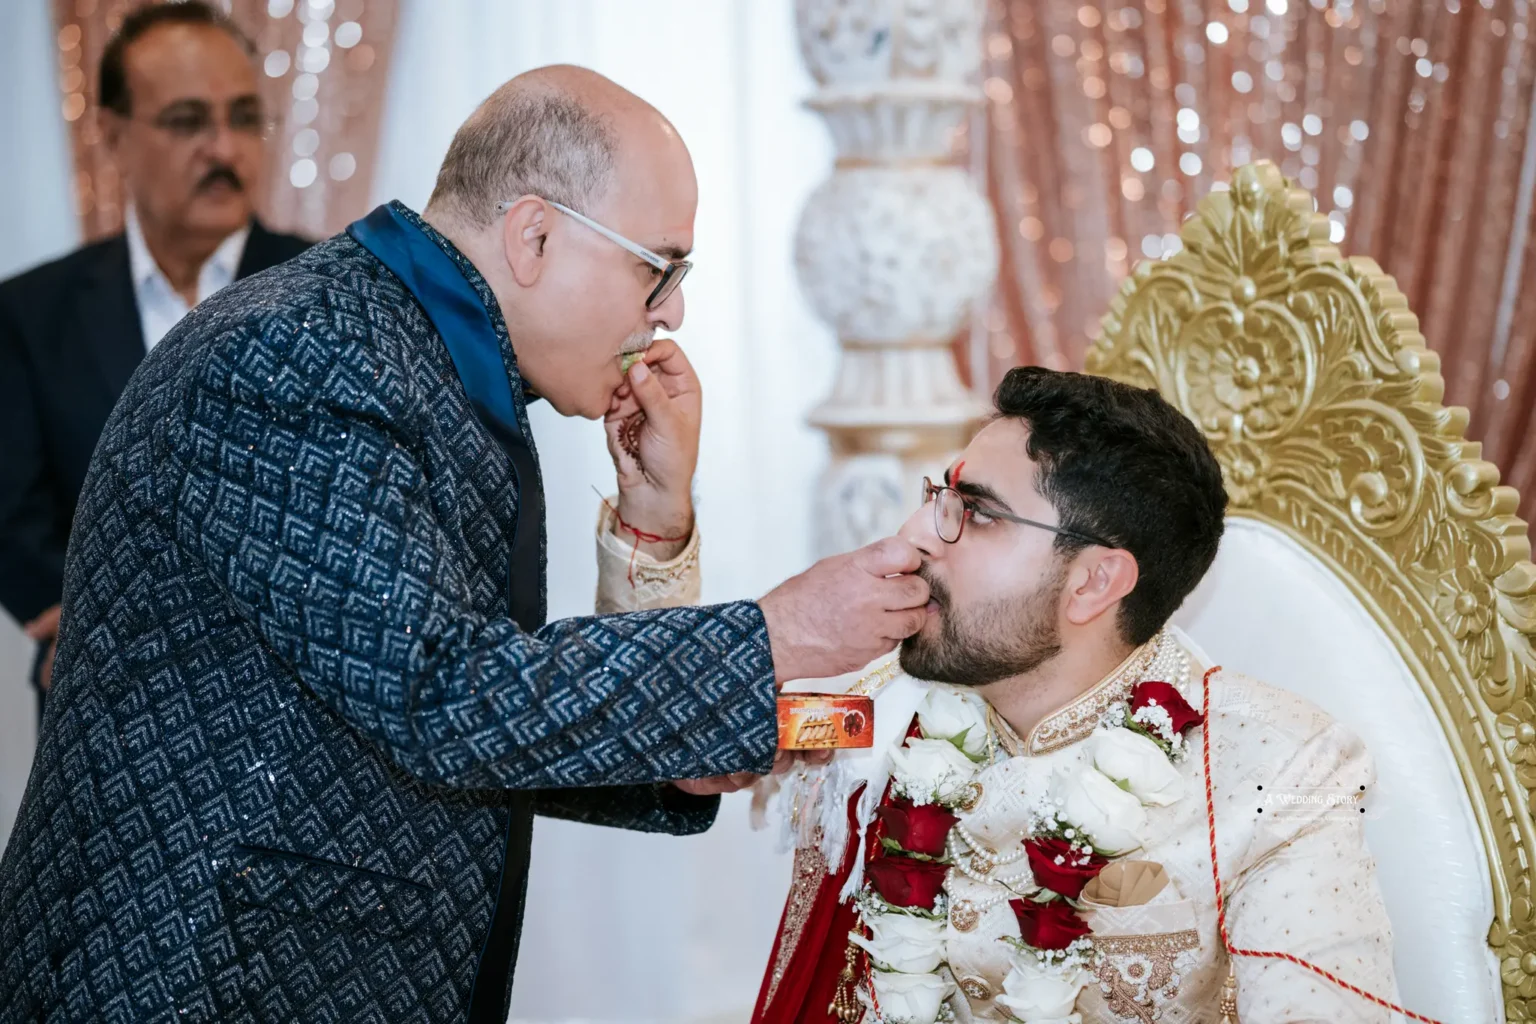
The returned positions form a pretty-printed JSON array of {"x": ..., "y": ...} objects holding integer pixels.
[{"x": 954, "y": 476}]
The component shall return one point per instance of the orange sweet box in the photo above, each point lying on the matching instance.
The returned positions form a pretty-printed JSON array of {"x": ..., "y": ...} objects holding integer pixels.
[{"x": 826, "y": 721}]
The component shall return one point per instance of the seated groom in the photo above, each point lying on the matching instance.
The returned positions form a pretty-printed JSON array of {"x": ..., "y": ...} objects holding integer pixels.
[
  {"x": 306, "y": 703},
  {"x": 1028, "y": 840}
]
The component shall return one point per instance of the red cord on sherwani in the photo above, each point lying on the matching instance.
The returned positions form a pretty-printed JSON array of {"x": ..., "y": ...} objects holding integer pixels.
[
  {"x": 812, "y": 939},
  {"x": 1221, "y": 903}
]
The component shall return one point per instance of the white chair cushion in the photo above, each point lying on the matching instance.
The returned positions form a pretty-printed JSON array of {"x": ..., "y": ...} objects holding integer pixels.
[{"x": 1271, "y": 609}]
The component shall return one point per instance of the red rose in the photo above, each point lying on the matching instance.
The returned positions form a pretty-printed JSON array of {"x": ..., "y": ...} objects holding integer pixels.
[
  {"x": 1053, "y": 925},
  {"x": 905, "y": 882},
  {"x": 1170, "y": 700},
  {"x": 1068, "y": 877},
  {"x": 917, "y": 829}
]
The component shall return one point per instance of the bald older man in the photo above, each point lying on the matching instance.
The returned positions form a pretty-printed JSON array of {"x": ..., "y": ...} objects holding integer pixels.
[{"x": 306, "y": 703}]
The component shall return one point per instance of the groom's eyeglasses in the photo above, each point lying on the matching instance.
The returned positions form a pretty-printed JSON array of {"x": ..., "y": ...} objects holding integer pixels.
[
  {"x": 671, "y": 272},
  {"x": 951, "y": 510}
]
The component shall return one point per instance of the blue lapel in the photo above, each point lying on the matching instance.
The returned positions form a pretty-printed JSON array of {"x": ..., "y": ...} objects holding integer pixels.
[{"x": 465, "y": 327}]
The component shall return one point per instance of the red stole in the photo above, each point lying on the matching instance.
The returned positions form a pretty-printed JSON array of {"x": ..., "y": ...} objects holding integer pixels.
[
  {"x": 812, "y": 939},
  {"x": 811, "y": 948}
]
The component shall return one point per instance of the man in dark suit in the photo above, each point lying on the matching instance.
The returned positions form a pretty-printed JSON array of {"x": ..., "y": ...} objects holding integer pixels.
[
  {"x": 307, "y": 702},
  {"x": 182, "y": 116}
]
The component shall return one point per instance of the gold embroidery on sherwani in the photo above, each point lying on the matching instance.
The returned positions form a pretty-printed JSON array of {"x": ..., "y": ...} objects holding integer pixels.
[
  {"x": 963, "y": 915},
  {"x": 671, "y": 572},
  {"x": 810, "y": 870},
  {"x": 1228, "y": 1005},
  {"x": 975, "y": 987},
  {"x": 1138, "y": 972},
  {"x": 629, "y": 580},
  {"x": 1076, "y": 720}
]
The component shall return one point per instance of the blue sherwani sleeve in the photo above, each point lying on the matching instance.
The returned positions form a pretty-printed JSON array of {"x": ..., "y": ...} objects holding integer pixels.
[{"x": 318, "y": 521}]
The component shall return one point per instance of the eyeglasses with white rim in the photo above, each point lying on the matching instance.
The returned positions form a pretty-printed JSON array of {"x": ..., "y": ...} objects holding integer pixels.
[{"x": 672, "y": 271}]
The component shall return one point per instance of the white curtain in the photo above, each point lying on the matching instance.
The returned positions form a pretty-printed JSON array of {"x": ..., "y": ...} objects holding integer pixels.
[
  {"x": 624, "y": 927},
  {"x": 37, "y": 223}
]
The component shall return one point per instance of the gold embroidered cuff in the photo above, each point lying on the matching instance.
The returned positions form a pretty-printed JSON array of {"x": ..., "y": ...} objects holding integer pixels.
[{"x": 630, "y": 580}]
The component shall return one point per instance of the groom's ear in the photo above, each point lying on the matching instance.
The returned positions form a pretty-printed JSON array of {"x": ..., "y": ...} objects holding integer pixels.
[
  {"x": 524, "y": 232},
  {"x": 1099, "y": 580}
]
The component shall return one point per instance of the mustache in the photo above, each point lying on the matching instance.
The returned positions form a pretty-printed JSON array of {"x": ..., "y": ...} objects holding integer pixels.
[
  {"x": 937, "y": 591},
  {"x": 221, "y": 173},
  {"x": 637, "y": 342}
]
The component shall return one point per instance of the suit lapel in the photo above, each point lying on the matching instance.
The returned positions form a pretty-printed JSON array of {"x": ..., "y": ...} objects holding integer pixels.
[{"x": 106, "y": 317}]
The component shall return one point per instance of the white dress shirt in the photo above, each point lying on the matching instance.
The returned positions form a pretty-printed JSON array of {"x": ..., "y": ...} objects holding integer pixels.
[{"x": 160, "y": 305}]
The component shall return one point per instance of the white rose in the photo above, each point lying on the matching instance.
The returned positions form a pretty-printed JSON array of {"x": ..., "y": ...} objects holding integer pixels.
[
  {"x": 1129, "y": 757},
  {"x": 912, "y": 945},
  {"x": 909, "y": 998},
  {"x": 928, "y": 768},
  {"x": 1038, "y": 995},
  {"x": 1112, "y": 817},
  {"x": 946, "y": 714}
]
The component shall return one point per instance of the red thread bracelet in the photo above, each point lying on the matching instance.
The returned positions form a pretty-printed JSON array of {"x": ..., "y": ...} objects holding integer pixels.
[{"x": 640, "y": 535}]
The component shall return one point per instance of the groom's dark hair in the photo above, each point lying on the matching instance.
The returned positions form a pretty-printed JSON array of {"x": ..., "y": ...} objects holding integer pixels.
[{"x": 1119, "y": 462}]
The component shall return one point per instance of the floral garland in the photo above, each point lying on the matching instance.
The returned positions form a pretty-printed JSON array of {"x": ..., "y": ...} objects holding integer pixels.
[{"x": 1093, "y": 816}]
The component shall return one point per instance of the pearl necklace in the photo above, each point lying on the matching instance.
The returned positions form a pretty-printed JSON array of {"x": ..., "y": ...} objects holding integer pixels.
[
  {"x": 966, "y": 852},
  {"x": 1003, "y": 882},
  {"x": 979, "y": 852},
  {"x": 1163, "y": 660},
  {"x": 1170, "y": 663}
]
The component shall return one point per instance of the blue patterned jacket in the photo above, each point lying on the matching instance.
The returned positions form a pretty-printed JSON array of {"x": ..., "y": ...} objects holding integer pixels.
[{"x": 288, "y": 708}]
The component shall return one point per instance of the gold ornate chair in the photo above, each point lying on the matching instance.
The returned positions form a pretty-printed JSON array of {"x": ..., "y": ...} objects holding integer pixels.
[{"x": 1371, "y": 562}]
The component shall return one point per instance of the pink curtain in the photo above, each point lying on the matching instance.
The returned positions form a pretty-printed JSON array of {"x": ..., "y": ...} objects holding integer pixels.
[
  {"x": 323, "y": 66},
  {"x": 1410, "y": 121}
]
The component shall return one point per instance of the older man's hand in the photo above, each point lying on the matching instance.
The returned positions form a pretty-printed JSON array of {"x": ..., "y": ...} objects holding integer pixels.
[
  {"x": 784, "y": 760},
  {"x": 45, "y": 630},
  {"x": 653, "y": 435},
  {"x": 845, "y": 611},
  {"x": 715, "y": 785}
]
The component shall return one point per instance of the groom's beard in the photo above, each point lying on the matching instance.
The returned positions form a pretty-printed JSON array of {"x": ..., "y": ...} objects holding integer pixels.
[{"x": 1004, "y": 637}]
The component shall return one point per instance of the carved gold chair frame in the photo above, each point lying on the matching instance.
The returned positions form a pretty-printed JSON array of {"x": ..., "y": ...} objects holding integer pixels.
[{"x": 1309, "y": 377}]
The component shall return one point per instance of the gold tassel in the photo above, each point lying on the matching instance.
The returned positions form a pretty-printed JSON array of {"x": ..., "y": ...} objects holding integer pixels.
[
  {"x": 1228, "y": 1003},
  {"x": 845, "y": 1001}
]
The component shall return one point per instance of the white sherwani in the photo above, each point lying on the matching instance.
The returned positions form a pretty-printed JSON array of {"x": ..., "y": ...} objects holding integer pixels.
[{"x": 1297, "y": 878}]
